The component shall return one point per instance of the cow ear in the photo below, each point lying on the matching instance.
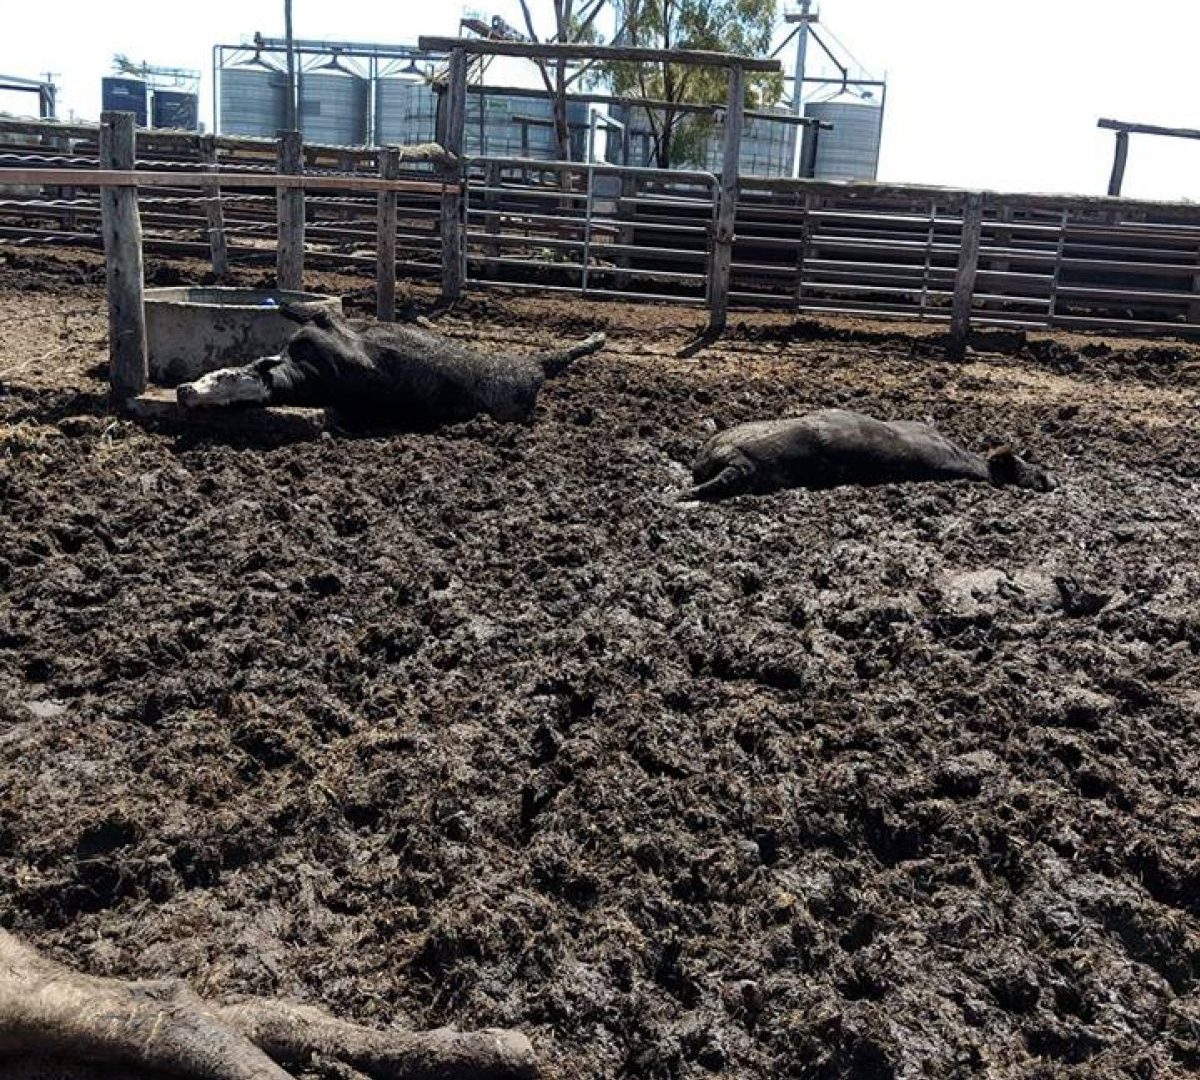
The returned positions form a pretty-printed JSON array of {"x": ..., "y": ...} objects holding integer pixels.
[{"x": 302, "y": 313}]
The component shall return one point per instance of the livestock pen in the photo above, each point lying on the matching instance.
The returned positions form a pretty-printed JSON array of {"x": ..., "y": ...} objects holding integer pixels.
[{"x": 482, "y": 727}]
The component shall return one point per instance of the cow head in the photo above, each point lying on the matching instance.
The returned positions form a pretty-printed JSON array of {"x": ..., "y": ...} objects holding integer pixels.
[
  {"x": 1004, "y": 467},
  {"x": 229, "y": 386}
]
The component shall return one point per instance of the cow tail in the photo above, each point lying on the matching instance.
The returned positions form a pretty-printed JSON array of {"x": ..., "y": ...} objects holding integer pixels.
[{"x": 555, "y": 363}]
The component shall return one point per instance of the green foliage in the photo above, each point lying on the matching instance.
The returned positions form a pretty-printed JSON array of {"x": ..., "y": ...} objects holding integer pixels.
[{"x": 734, "y": 26}]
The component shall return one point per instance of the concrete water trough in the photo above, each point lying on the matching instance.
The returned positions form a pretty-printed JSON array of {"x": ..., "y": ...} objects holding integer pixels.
[{"x": 190, "y": 331}]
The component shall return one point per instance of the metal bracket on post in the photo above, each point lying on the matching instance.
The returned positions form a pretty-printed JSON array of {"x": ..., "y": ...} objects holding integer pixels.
[
  {"x": 453, "y": 227},
  {"x": 727, "y": 215},
  {"x": 290, "y": 253},
  {"x": 964, "y": 281},
  {"x": 122, "y": 227},
  {"x": 385, "y": 273}
]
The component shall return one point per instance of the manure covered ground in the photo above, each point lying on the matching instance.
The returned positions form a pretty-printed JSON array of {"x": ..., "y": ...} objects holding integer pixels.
[{"x": 483, "y": 727}]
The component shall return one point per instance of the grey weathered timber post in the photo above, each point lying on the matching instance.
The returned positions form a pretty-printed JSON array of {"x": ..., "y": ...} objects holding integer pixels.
[
  {"x": 214, "y": 212},
  {"x": 727, "y": 214},
  {"x": 964, "y": 281},
  {"x": 453, "y": 240},
  {"x": 122, "y": 227},
  {"x": 385, "y": 272},
  {"x": 1119, "y": 159},
  {"x": 290, "y": 251}
]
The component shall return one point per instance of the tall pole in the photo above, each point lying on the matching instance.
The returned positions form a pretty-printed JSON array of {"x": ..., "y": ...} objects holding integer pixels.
[
  {"x": 804, "y": 17},
  {"x": 801, "y": 53},
  {"x": 290, "y": 112}
]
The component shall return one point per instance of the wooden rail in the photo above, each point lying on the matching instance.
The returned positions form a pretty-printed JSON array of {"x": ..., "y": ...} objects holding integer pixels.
[{"x": 107, "y": 178}]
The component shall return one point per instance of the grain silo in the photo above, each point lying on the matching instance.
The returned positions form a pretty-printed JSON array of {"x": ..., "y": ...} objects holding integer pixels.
[
  {"x": 253, "y": 101},
  {"x": 768, "y": 147},
  {"x": 405, "y": 111},
  {"x": 334, "y": 107},
  {"x": 851, "y": 150}
]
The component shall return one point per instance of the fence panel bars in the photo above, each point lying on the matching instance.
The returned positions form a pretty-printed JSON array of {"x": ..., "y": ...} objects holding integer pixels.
[
  {"x": 925, "y": 275},
  {"x": 1052, "y": 310}
]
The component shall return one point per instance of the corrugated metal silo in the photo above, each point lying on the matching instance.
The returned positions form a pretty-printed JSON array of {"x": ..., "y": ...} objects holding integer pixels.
[
  {"x": 504, "y": 125},
  {"x": 768, "y": 148},
  {"x": 253, "y": 101},
  {"x": 405, "y": 112},
  {"x": 124, "y": 95},
  {"x": 851, "y": 150},
  {"x": 174, "y": 109},
  {"x": 334, "y": 107}
]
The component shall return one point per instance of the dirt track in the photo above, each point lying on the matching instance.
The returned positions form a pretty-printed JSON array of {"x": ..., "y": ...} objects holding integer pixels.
[{"x": 482, "y": 727}]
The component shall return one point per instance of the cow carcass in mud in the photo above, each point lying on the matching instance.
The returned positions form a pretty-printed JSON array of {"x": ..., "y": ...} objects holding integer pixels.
[
  {"x": 385, "y": 375},
  {"x": 832, "y": 447}
]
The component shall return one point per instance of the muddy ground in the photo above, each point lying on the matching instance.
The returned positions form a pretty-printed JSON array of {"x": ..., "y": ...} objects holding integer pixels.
[{"x": 482, "y": 728}]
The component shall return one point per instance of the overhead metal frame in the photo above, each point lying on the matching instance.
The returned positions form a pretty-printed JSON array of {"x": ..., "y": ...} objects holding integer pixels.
[{"x": 46, "y": 91}]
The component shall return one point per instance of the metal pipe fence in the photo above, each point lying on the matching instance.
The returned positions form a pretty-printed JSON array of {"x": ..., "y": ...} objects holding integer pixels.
[{"x": 610, "y": 232}]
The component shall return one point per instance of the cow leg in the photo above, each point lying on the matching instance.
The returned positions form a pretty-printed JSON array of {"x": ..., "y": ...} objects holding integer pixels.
[
  {"x": 297, "y": 1034},
  {"x": 50, "y": 1013},
  {"x": 731, "y": 480}
]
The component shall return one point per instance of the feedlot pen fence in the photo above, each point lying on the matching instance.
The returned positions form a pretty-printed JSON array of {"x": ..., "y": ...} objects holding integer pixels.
[{"x": 605, "y": 231}]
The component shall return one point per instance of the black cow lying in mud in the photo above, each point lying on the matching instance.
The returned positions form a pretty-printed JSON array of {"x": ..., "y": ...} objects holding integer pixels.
[
  {"x": 835, "y": 446},
  {"x": 396, "y": 376}
]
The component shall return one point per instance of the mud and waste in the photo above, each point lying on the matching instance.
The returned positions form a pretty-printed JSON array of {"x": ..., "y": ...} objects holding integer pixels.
[{"x": 483, "y": 727}]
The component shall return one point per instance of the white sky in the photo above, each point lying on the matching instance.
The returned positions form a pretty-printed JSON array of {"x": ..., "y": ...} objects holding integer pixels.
[{"x": 982, "y": 93}]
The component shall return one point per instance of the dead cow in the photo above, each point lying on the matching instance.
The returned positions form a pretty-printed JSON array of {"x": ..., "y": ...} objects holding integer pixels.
[
  {"x": 398, "y": 376},
  {"x": 836, "y": 446},
  {"x": 57, "y": 1023}
]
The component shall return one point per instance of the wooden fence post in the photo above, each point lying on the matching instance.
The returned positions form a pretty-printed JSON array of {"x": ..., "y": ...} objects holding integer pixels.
[
  {"x": 290, "y": 252},
  {"x": 122, "y": 227},
  {"x": 964, "y": 281},
  {"x": 1119, "y": 159},
  {"x": 213, "y": 209},
  {"x": 727, "y": 215},
  {"x": 453, "y": 227},
  {"x": 385, "y": 272}
]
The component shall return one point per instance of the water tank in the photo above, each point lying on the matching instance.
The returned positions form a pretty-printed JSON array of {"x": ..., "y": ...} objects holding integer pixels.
[
  {"x": 851, "y": 150},
  {"x": 124, "y": 95},
  {"x": 405, "y": 112},
  {"x": 173, "y": 109},
  {"x": 333, "y": 107},
  {"x": 253, "y": 101}
]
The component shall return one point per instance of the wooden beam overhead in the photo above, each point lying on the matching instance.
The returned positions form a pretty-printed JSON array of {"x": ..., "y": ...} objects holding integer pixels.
[
  {"x": 1149, "y": 129},
  {"x": 621, "y": 54}
]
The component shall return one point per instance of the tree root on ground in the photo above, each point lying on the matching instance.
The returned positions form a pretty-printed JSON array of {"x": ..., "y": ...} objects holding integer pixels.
[{"x": 55, "y": 1022}]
